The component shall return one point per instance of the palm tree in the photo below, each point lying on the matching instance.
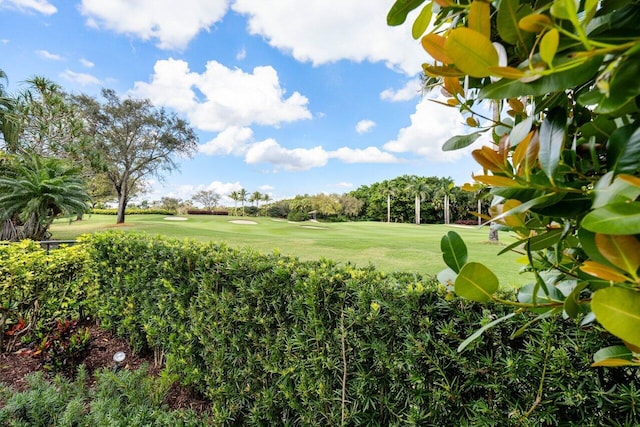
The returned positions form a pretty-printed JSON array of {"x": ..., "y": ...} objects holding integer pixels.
[
  {"x": 34, "y": 190},
  {"x": 447, "y": 195},
  {"x": 388, "y": 189},
  {"x": 256, "y": 196},
  {"x": 235, "y": 196},
  {"x": 8, "y": 118},
  {"x": 419, "y": 189},
  {"x": 242, "y": 197}
]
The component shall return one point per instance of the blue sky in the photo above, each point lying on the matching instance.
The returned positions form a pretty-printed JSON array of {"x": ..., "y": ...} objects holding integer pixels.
[{"x": 287, "y": 97}]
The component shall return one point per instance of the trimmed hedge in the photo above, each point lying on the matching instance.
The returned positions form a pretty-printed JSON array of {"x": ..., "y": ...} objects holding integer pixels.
[
  {"x": 133, "y": 211},
  {"x": 39, "y": 288},
  {"x": 272, "y": 340}
]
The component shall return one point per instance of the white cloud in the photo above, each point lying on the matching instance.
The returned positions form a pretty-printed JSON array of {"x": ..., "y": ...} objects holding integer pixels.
[
  {"x": 297, "y": 159},
  {"x": 83, "y": 79},
  {"x": 343, "y": 185},
  {"x": 86, "y": 63},
  {"x": 232, "y": 97},
  {"x": 241, "y": 55},
  {"x": 233, "y": 140},
  {"x": 366, "y": 155},
  {"x": 325, "y": 31},
  {"x": 172, "y": 25},
  {"x": 364, "y": 126},
  {"x": 48, "y": 55},
  {"x": 266, "y": 187},
  {"x": 431, "y": 125},
  {"x": 408, "y": 92},
  {"x": 40, "y": 6}
]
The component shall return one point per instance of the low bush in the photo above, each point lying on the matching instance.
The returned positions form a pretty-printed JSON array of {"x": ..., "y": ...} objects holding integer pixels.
[
  {"x": 134, "y": 211},
  {"x": 124, "y": 398},
  {"x": 297, "y": 216},
  {"x": 38, "y": 288},
  {"x": 206, "y": 212},
  {"x": 272, "y": 340}
]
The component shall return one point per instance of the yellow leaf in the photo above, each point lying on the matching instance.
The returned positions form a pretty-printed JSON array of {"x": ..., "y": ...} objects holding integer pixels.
[
  {"x": 496, "y": 181},
  {"x": 623, "y": 251},
  {"x": 478, "y": 18},
  {"x": 453, "y": 86},
  {"x": 507, "y": 72},
  {"x": 515, "y": 221},
  {"x": 535, "y": 23},
  {"x": 611, "y": 363},
  {"x": 630, "y": 179},
  {"x": 516, "y": 105},
  {"x": 549, "y": 46},
  {"x": 632, "y": 347},
  {"x": 447, "y": 71},
  {"x": 472, "y": 122},
  {"x": 435, "y": 47},
  {"x": 489, "y": 159},
  {"x": 603, "y": 272},
  {"x": 471, "y": 51}
]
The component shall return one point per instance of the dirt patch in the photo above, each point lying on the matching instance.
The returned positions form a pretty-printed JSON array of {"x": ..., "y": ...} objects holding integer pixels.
[
  {"x": 14, "y": 367},
  {"x": 243, "y": 221}
]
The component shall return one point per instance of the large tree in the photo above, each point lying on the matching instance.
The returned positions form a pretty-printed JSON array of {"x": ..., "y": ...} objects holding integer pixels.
[
  {"x": 207, "y": 198},
  {"x": 135, "y": 140}
]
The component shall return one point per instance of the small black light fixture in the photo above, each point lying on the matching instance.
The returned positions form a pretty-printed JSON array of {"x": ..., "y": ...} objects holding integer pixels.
[{"x": 118, "y": 358}]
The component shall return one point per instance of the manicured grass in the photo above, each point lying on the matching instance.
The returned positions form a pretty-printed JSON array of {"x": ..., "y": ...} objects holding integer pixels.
[{"x": 390, "y": 247}]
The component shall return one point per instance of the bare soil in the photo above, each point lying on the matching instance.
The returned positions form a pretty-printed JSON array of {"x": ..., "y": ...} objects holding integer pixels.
[{"x": 15, "y": 366}]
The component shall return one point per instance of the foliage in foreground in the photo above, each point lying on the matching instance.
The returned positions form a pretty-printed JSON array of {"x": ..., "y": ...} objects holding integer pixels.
[
  {"x": 564, "y": 172},
  {"x": 271, "y": 340},
  {"x": 124, "y": 398}
]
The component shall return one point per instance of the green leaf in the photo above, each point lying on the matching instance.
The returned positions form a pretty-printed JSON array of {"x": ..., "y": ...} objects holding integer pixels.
[
  {"x": 422, "y": 21},
  {"x": 613, "y": 352},
  {"x": 623, "y": 88},
  {"x": 526, "y": 296},
  {"x": 614, "y": 218},
  {"x": 618, "y": 310},
  {"x": 618, "y": 191},
  {"x": 509, "y": 14},
  {"x": 539, "y": 317},
  {"x": 552, "y": 135},
  {"x": 480, "y": 331},
  {"x": 399, "y": 11},
  {"x": 454, "y": 251},
  {"x": 447, "y": 277},
  {"x": 545, "y": 240},
  {"x": 520, "y": 131},
  {"x": 476, "y": 282},
  {"x": 558, "y": 81},
  {"x": 460, "y": 141},
  {"x": 471, "y": 51},
  {"x": 572, "y": 302},
  {"x": 623, "y": 151},
  {"x": 564, "y": 9}
]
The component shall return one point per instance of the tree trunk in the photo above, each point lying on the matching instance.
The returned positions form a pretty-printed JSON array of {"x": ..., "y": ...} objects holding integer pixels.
[
  {"x": 122, "y": 205},
  {"x": 388, "y": 208},
  {"x": 446, "y": 209},
  {"x": 417, "y": 210},
  {"x": 479, "y": 211},
  {"x": 493, "y": 233}
]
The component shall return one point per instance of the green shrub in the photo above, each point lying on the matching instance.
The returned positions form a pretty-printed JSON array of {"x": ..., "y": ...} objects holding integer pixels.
[
  {"x": 124, "y": 398},
  {"x": 297, "y": 216},
  {"x": 134, "y": 211},
  {"x": 272, "y": 340},
  {"x": 37, "y": 288}
]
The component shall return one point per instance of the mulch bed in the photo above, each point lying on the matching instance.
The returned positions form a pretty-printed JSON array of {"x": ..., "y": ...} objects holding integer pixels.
[{"x": 15, "y": 366}]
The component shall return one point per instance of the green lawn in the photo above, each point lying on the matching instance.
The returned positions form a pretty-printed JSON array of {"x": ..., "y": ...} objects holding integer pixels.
[{"x": 399, "y": 247}]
